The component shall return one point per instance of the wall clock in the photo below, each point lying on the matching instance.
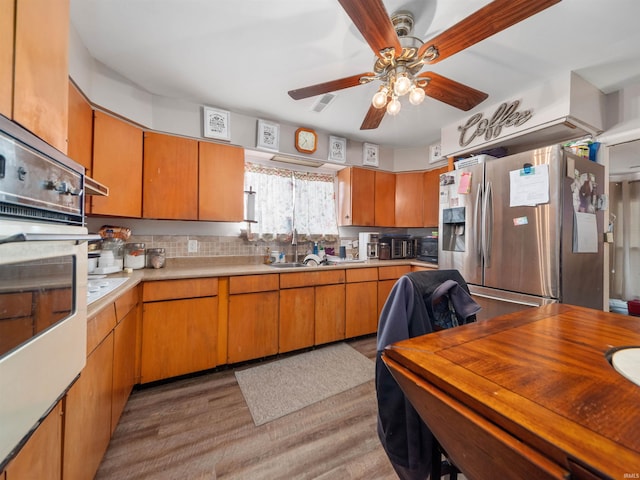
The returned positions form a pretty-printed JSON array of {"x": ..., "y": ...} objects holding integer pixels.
[{"x": 306, "y": 140}]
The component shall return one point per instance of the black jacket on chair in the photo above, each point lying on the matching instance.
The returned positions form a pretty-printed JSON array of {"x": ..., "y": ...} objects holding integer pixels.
[{"x": 408, "y": 313}]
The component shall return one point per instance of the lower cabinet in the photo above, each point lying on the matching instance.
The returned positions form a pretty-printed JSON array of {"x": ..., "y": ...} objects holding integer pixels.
[
  {"x": 329, "y": 313},
  {"x": 179, "y": 327},
  {"x": 253, "y": 317},
  {"x": 41, "y": 457},
  {"x": 361, "y": 302}
]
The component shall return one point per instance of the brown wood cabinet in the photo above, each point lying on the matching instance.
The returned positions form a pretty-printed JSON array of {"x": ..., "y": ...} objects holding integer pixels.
[
  {"x": 16, "y": 319},
  {"x": 312, "y": 309},
  {"x": 220, "y": 182},
  {"x": 409, "y": 199},
  {"x": 40, "y": 89},
  {"x": 361, "y": 301},
  {"x": 41, "y": 456},
  {"x": 7, "y": 28},
  {"x": 356, "y": 200},
  {"x": 118, "y": 165},
  {"x": 253, "y": 317},
  {"x": 80, "y": 144},
  {"x": 87, "y": 427},
  {"x": 385, "y": 199},
  {"x": 431, "y": 196},
  {"x": 179, "y": 327},
  {"x": 170, "y": 187}
]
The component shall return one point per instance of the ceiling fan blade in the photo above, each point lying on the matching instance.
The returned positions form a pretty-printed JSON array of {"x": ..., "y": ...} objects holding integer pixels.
[
  {"x": 373, "y": 118},
  {"x": 372, "y": 20},
  {"x": 451, "y": 92},
  {"x": 489, "y": 20},
  {"x": 326, "y": 87}
]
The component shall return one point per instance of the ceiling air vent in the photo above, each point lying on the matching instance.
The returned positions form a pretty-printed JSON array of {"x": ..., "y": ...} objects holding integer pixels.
[{"x": 323, "y": 102}]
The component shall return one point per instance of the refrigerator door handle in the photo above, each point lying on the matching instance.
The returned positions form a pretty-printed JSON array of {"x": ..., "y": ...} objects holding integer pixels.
[
  {"x": 487, "y": 223},
  {"x": 478, "y": 226}
]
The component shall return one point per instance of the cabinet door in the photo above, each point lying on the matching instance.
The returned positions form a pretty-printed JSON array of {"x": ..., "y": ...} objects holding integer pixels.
[
  {"x": 253, "y": 326},
  {"x": 170, "y": 189},
  {"x": 361, "y": 308},
  {"x": 179, "y": 337},
  {"x": 296, "y": 327},
  {"x": 385, "y": 199},
  {"x": 41, "y": 457},
  {"x": 356, "y": 196},
  {"x": 118, "y": 165},
  {"x": 431, "y": 196},
  {"x": 409, "y": 199},
  {"x": 329, "y": 314},
  {"x": 87, "y": 420},
  {"x": 220, "y": 182},
  {"x": 41, "y": 89},
  {"x": 6, "y": 56},
  {"x": 80, "y": 129},
  {"x": 124, "y": 364}
]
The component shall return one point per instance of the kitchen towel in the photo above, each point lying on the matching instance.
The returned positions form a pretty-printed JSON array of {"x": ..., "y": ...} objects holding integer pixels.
[{"x": 278, "y": 388}]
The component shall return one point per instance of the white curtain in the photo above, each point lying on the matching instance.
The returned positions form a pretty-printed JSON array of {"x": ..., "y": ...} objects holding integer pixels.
[
  {"x": 287, "y": 199},
  {"x": 625, "y": 254}
]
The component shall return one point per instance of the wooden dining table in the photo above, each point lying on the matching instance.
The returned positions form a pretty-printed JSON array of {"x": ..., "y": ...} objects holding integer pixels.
[{"x": 528, "y": 395}]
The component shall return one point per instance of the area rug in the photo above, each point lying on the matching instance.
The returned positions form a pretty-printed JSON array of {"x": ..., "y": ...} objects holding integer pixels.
[{"x": 284, "y": 386}]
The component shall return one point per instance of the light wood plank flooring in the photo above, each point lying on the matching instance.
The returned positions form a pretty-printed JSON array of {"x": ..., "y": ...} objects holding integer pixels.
[{"x": 201, "y": 428}]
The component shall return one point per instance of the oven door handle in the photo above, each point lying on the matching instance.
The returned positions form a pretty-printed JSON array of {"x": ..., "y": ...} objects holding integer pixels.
[{"x": 50, "y": 237}]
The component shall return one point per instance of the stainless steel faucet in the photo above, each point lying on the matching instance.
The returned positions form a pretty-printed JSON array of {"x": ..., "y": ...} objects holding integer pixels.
[{"x": 294, "y": 244}]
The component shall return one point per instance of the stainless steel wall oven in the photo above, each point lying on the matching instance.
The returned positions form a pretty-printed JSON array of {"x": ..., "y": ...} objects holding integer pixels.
[{"x": 43, "y": 281}]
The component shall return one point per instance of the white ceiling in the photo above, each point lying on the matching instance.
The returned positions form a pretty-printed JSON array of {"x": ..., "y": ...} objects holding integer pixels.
[{"x": 244, "y": 55}]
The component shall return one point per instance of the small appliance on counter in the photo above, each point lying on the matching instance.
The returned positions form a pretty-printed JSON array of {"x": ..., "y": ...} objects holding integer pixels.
[
  {"x": 400, "y": 246},
  {"x": 368, "y": 244},
  {"x": 428, "y": 249}
]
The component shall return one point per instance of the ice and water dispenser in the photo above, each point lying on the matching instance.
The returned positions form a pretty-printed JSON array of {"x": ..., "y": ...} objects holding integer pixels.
[{"x": 453, "y": 229}]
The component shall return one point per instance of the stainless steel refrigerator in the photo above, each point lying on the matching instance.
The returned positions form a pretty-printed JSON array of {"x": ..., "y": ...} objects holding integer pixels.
[{"x": 525, "y": 230}]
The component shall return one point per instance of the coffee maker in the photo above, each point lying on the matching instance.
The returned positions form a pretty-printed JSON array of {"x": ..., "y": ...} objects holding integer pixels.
[{"x": 368, "y": 245}]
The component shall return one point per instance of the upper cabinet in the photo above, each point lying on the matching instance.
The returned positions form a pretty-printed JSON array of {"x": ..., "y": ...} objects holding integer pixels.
[
  {"x": 7, "y": 7},
  {"x": 40, "y": 96},
  {"x": 80, "y": 128},
  {"x": 118, "y": 165},
  {"x": 385, "y": 201},
  {"x": 409, "y": 199},
  {"x": 220, "y": 182},
  {"x": 170, "y": 189},
  {"x": 431, "y": 196},
  {"x": 356, "y": 196}
]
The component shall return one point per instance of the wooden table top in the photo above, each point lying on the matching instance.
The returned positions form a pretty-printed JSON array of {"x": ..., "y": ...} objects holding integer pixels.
[{"x": 543, "y": 376}]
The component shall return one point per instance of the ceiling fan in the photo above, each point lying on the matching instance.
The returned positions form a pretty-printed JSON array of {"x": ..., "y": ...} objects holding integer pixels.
[{"x": 401, "y": 56}]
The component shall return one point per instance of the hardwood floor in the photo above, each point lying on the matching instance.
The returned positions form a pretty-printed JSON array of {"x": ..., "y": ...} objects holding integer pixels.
[{"x": 201, "y": 428}]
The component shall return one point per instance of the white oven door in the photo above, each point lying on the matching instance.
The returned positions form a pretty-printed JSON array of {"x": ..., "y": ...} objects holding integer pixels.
[{"x": 43, "y": 314}]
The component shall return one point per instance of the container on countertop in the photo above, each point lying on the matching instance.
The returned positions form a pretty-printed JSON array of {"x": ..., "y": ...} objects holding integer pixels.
[
  {"x": 134, "y": 256},
  {"x": 155, "y": 257}
]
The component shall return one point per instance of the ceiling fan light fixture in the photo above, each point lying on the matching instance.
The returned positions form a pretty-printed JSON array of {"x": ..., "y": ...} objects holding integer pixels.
[
  {"x": 380, "y": 98},
  {"x": 402, "y": 85},
  {"x": 416, "y": 96},
  {"x": 393, "y": 107}
]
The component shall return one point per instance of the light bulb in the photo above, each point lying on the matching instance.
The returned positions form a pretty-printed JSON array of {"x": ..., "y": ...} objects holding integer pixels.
[
  {"x": 402, "y": 85},
  {"x": 380, "y": 98},
  {"x": 393, "y": 107},
  {"x": 416, "y": 96}
]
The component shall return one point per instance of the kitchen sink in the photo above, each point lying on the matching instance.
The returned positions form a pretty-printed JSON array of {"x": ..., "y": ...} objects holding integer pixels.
[{"x": 288, "y": 265}]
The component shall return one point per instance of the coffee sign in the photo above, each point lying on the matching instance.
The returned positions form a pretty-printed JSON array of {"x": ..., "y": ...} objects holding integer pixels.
[{"x": 506, "y": 115}]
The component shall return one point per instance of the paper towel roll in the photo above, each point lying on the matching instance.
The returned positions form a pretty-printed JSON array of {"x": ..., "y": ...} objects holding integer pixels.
[{"x": 251, "y": 207}]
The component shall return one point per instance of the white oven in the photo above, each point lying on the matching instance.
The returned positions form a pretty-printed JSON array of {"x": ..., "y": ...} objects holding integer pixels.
[{"x": 43, "y": 282}]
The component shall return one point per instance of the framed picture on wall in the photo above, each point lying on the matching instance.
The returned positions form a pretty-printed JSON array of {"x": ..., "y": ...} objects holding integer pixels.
[
  {"x": 337, "y": 149},
  {"x": 216, "y": 123},
  {"x": 370, "y": 154},
  {"x": 268, "y": 136}
]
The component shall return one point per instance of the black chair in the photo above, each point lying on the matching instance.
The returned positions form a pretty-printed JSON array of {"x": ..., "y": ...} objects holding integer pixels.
[{"x": 418, "y": 304}]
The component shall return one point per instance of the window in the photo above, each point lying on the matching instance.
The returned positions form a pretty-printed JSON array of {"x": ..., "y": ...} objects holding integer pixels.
[{"x": 287, "y": 199}]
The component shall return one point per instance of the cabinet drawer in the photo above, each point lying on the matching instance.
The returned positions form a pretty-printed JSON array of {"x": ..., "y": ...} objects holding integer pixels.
[
  {"x": 125, "y": 302},
  {"x": 178, "y": 289},
  {"x": 307, "y": 279},
  {"x": 99, "y": 326},
  {"x": 393, "y": 272},
  {"x": 362, "y": 275},
  {"x": 254, "y": 283}
]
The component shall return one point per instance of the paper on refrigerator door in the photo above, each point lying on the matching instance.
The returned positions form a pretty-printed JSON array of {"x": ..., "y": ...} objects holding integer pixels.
[
  {"x": 585, "y": 233},
  {"x": 529, "y": 186}
]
